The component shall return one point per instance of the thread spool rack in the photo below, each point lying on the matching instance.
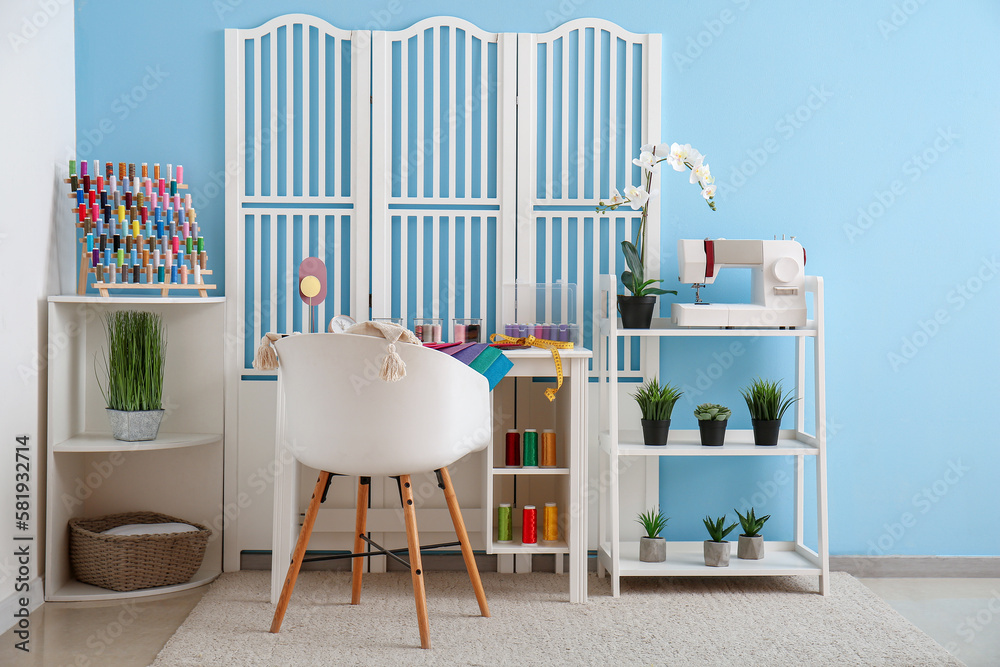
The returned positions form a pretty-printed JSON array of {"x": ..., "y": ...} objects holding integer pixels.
[{"x": 138, "y": 232}]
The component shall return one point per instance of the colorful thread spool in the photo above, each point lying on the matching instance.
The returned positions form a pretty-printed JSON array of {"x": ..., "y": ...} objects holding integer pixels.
[
  {"x": 530, "y": 448},
  {"x": 529, "y": 525},
  {"x": 176, "y": 243},
  {"x": 513, "y": 450},
  {"x": 83, "y": 167},
  {"x": 197, "y": 274},
  {"x": 201, "y": 244},
  {"x": 173, "y": 274},
  {"x": 548, "y": 456},
  {"x": 550, "y": 523},
  {"x": 135, "y": 273},
  {"x": 95, "y": 257},
  {"x": 505, "y": 523},
  {"x": 160, "y": 273},
  {"x": 184, "y": 274}
]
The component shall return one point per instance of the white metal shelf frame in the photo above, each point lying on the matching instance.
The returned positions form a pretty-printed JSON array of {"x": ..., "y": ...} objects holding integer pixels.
[{"x": 620, "y": 557}]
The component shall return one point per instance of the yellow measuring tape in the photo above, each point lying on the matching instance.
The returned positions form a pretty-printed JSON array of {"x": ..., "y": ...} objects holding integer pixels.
[{"x": 552, "y": 346}]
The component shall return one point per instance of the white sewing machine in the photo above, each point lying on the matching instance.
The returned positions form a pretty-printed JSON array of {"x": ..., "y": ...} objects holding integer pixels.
[{"x": 777, "y": 285}]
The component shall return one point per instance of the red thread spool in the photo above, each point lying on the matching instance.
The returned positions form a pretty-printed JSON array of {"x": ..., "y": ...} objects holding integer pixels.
[
  {"x": 529, "y": 525},
  {"x": 513, "y": 458}
]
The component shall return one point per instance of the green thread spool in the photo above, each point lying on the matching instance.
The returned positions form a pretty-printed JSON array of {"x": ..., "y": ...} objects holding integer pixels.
[
  {"x": 530, "y": 448},
  {"x": 505, "y": 523},
  {"x": 72, "y": 168},
  {"x": 201, "y": 244},
  {"x": 189, "y": 244},
  {"x": 121, "y": 256}
]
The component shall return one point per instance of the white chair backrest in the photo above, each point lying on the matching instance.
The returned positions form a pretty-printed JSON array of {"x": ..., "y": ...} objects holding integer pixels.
[{"x": 339, "y": 416}]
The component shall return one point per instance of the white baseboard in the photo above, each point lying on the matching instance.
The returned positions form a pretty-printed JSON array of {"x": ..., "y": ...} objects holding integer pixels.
[
  {"x": 10, "y": 605},
  {"x": 917, "y": 566}
]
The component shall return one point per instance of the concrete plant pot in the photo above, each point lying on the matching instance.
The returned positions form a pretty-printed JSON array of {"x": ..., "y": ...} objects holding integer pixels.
[
  {"x": 134, "y": 425},
  {"x": 652, "y": 549},
  {"x": 750, "y": 548},
  {"x": 716, "y": 554}
]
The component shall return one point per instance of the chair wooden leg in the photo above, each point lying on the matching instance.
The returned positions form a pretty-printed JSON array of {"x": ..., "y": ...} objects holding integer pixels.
[
  {"x": 300, "y": 551},
  {"x": 358, "y": 562},
  {"x": 463, "y": 538},
  {"x": 416, "y": 569}
]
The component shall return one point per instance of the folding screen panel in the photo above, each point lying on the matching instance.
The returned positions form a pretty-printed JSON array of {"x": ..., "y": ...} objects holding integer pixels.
[
  {"x": 443, "y": 171},
  {"x": 297, "y": 149},
  {"x": 588, "y": 98}
]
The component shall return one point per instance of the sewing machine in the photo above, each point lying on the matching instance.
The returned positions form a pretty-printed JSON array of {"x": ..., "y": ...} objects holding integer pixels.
[{"x": 777, "y": 284}]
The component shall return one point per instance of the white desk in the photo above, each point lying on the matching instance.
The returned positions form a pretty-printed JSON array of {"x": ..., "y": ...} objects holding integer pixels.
[{"x": 570, "y": 420}]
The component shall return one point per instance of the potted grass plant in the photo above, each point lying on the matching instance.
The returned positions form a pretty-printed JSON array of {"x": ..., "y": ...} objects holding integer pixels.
[
  {"x": 767, "y": 404},
  {"x": 656, "y": 402},
  {"x": 712, "y": 420},
  {"x": 652, "y": 546},
  {"x": 751, "y": 544},
  {"x": 637, "y": 309},
  {"x": 132, "y": 371},
  {"x": 717, "y": 548}
]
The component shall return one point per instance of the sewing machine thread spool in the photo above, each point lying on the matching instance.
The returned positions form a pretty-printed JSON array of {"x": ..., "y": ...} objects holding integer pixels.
[
  {"x": 548, "y": 449},
  {"x": 184, "y": 274},
  {"x": 95, "y": 255},
  {"x": 121, "y": 171},
  {"x": 197, "y": 273},
  {"x": 83, "y": 168},
  {"x": 512, "y": 457},
  {"x": 74, "y": 181},
  {"x": 201, "y": 244},
  {"x": 121, "y": 257},
  {"x": 160, "y": 274},
  {"x": 550, "y": 523},
  {"x": 180, "y": 174},
  {"x": 203, "y": 260},
  {"x": 86, "y": 183},
  {"x": 173, "y": 274},
  {"x": 113, "y": 274},
  {"x": 117, "y": 241},
  {"x": 188, "y": 243},
  {"x": 100, "y": 273},
  {"x": 176, "y": 244},
  {"x": 510, "y": 330},
  {"x": 459, "y": 334},
  {"x": 530, "y": 448},
  {"x": 529, "y": 525},
  {"x": 135, "y": 273},
  {"x": 505, "y": 523},
  {"x": 144, "y": 171}
]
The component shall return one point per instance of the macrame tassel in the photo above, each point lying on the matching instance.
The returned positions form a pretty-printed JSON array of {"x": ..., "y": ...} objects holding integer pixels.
[
  {"x": 393, "y": 368},
  {"x": 266, "y": 358}
]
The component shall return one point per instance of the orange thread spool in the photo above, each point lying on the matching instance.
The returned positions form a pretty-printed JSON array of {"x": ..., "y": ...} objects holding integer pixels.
[
  {"x": 548, "y": 449},
  {"x": 550, "y": 523}
]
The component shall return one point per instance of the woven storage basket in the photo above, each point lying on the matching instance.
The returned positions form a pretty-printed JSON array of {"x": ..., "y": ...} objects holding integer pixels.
[{"x": 131, "y": 562}]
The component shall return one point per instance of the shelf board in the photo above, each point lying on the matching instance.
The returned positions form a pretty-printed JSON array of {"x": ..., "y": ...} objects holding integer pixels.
[
  {"x": 682, "y": 442},
  {"x": 558, "y": 547},
  {"x": 662, "y": 326},
  {"x": 76, "y": 591},
  {"x": 103, "y": 442},
  {"x": 530, "y": 471},
  {"x": 148, "y": 300},
  {"x": 686, "y": 559}
]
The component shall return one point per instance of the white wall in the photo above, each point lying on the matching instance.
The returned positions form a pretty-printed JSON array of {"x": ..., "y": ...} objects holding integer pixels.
[{"x": 37, "y": 137}]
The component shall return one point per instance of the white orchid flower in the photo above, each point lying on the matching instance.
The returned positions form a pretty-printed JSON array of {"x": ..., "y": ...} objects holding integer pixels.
[
  {"x": 678, "y": 156},
  {"x": 616, "y": 198},
  {"x": 647, "y": 161},
  {"x": 708, "y": 191},
  {"x": 637, "y": 196},
  {"x": 702, "y": 174}
]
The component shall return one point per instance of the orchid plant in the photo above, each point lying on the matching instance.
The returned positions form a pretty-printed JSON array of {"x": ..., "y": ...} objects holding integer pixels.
[{"x": 680, "y": 157}]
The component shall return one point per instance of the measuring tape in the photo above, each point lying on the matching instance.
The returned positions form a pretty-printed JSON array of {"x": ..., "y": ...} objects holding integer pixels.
[{"x": 552, "y": 346}]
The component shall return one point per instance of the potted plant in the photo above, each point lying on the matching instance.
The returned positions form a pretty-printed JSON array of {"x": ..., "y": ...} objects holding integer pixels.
[
  {"x": 767, "y": 406},
  {"x": 656, "y": 402},
  {"x": 652, "y": 547},
  {"x": 712, "y": 420},
  {"x": 717, "y": 548},
  {"x": 637, "y": 309},
  {"x": 133, "y": 373},
  {"x": 751, "y": 544}
]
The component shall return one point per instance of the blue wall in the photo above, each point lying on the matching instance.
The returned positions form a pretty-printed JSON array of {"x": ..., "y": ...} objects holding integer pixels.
[{"x": 866, "y": 129}]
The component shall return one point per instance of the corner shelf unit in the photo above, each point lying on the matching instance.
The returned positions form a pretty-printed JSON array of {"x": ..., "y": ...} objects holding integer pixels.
[
  {"x": 620, "y": 558},
  {"x": 90, "y": 473}
]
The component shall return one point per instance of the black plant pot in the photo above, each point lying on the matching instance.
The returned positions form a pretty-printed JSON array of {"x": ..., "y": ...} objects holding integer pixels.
[
  {"x": 765, "y": 431},
  {"x": 655, "y": 431},
  {"x": 713, "y": 433},
  {"x": 637, "y": 311}
]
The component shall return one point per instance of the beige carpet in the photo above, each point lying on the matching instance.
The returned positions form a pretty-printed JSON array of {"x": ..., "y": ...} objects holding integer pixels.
[{"x": 762, "y": 622}]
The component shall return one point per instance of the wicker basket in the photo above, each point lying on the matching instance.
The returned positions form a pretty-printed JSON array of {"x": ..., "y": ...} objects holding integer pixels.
[{"x": 131, "y": 562}]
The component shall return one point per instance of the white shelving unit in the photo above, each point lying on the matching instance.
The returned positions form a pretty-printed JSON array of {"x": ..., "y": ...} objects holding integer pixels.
[
  {"x": 620, "y": 558},
  {"x": 564, "y": 484},
  {"x": 91, "y": 474}
]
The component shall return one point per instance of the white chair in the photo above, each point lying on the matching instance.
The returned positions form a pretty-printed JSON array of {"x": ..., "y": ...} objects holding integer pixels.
[{"x": 341, "y": 419}]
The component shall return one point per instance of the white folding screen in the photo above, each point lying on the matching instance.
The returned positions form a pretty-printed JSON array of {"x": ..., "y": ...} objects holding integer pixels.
[
  {"x": 298, "y": 128},
  {"x": 588, "y": 98},
  {"x": 443, "y": 171}
]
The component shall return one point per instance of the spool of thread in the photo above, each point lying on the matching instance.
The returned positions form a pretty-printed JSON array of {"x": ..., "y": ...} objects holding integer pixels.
[
  {"x": 144, "y": 171},
  {"x": 86, "y": 183},
  {"x": 161, "y": 187},
  {"x": 100, "y": 273},
  {"x": 131, "y": 170},
  {"x": 187, "y": 201},
  {"x": 145, "y": 257},
  {"x": 176, "y": 243},
  {"x": 83, "y": 167},
  {"x": 128, "y": 200},
  {"x": 121, "y": 257},
  {"x": 180, "y": 174},
  {"x": 121, "y": 171},
  {"x": 512, "y": 458},
  {"x": 134, "y": 257},
  {"x": 117, "y": 242},
  {"x": 91, "y": 198},
  {"x": 184, "y": 274},
  {"x": 112, "y": 183},
  {"x": 160, "y": 274},
  {"x": 548, "y": 456},
  {"x": 135, "y": 227},
  {"x": 550, "y": 523},
  {"x": 173, "y": 188},
  {"x": 510, "y": 330},
  {"x": 522, "y": 330},
  {"x": 459, "y": 334},
  {"x": 107, "y": 257},
  {"x": 121, "y": 213},
  {"x": 173, "y": 274},
  {"x": 156, "y": 256},
  {"x": 149, "y": 274},
  {"x": 104, "y": 241},
  {"x": 136, "y": 272},
  {"x": 529, "y": 525},
  {"x": 197, "y": 273},
  {"x": 156, "y": 171},
  {"x": 188, "y": 243},
  {"x": 170, "y": 172},
  {"x": 418, "y": 331},
  {"x": 128, "y": 244},
  {"x": 201, "y": 244},
  {"x": 104, "y": 199},
  {"x": 82, "y": 210},
  {"x": 168, "y": 258},
  {"x": 177, "y": 200},
  {"x": 530, "y": 448},
  {"x": 539, "y": 331},
  {"x": 79, "y": 197},
  {"x": 472, "y": 333},
  {"x": 149, "y": 192},
  {"x": 74, "y": 181},
  {"x": 203, "y": 259},
  {"x": 109, "y": 169},
  {"x": 186, "y": 230},
  {"x": 72, "y": 168},
  {"x": 113, "y": 274},
  {"x": 95, "y": 257},
  {"x": 436, "y": 333},
  {"x": 505, "y": 523}
]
